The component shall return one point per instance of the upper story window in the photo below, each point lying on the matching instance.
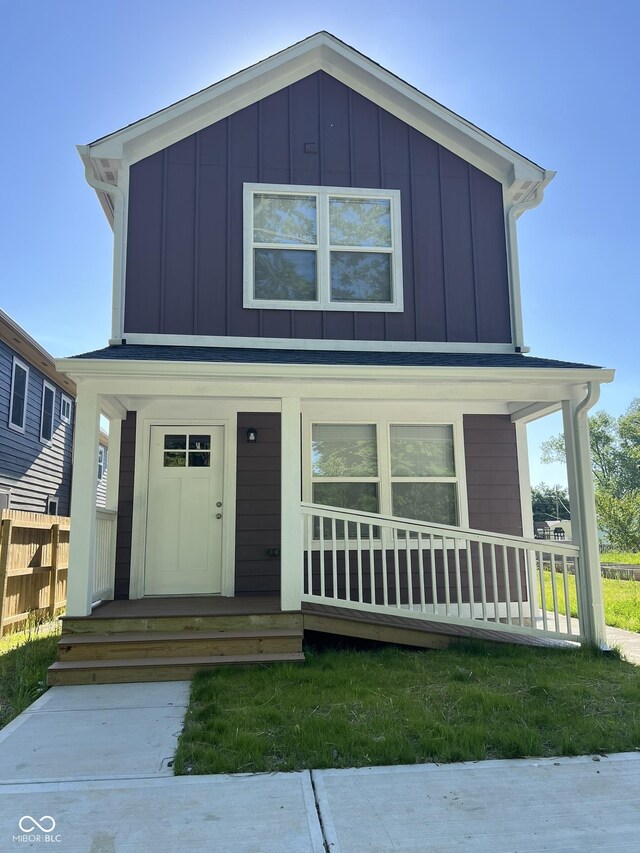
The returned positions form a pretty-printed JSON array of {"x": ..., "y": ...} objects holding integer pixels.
[
  {"x": 46, "y": 416},
  {"x": 66, "y": 404},
  {"x": 322, "y": 248},
  {"x": 18, "y": 405}
]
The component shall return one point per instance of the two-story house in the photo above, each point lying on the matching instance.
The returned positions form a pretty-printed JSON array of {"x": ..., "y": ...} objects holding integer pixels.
[
  {"x": 317, "y": 380},
  {"x": 36, "y": 425}
]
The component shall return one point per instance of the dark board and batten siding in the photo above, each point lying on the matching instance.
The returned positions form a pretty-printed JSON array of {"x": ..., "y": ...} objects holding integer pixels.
[
  {"x": 258, "y": 506},
  {"x": 185, "y": 255},
  {"x": 34, "y": 471},
  {"x": 493, "y": 480},
  {"x": 125, "y": 506}
]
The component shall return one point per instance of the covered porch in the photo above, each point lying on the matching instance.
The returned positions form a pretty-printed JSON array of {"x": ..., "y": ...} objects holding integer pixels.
[{"x": 373, "y": 567}]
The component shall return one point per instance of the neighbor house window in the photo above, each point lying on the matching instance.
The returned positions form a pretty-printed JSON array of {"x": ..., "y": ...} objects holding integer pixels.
[
  {"x": 325, "y": 248},
  {"x": 65, "y": 409},
  {"x": 419, "y": 482},
  {"x": 102, "y": 461},
  {"x": 52, "y": 506},
  {"x": 46, "y": 415},
  {"x": 18, "y": 404}
]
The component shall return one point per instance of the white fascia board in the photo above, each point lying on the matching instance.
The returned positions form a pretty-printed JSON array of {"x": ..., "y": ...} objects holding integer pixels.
[{"x": 321, "y": 52}]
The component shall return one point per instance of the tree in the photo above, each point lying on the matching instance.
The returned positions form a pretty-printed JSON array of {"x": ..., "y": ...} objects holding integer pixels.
[
  {"x": 549, "y": 502},
  {"x": 615, "y": 451}
]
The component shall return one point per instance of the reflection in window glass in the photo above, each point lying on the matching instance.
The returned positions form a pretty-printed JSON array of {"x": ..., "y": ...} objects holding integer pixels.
[
  {"x": 173, "y": 459},
  {"x": 355, "y": 496},
  {"x": 199, "y": 460},
  {"x": 360, "y": 277},
  {"x": 289, "y": 219},
  {"x": 285, "y": 274},
  {"x": 175, "y": 442},
  {"x": 360, "y": 222},
  {"x": 434, "y": 502},
  {"x": 344, "y": 450},
  {"x": 199, "y": 442},
  {"x": 422, "y": 451}
]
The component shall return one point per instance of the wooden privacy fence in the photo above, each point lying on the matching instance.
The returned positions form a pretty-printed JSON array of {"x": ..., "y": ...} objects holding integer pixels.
[{"x": 34, "y": 558}]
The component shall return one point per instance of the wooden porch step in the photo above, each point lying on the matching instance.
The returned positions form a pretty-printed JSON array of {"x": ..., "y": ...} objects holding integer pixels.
[
  {"x": 155, "y": 669},
  {"x": 100, "y": 625},
  {"x": 155, "y": 644}
]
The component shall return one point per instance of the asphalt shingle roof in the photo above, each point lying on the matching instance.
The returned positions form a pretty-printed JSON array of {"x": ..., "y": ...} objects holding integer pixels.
[{"x": 237, "y": 355}]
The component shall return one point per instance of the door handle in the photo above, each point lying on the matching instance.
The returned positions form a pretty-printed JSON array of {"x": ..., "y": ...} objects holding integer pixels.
[{"x": 218, "y": 515}]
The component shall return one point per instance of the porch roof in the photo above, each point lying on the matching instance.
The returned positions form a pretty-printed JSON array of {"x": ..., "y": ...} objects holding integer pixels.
[{"x": 247, "y": 355}]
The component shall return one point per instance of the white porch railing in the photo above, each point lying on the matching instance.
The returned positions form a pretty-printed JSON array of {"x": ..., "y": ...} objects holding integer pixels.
[
  {"x": 103, "y": 577},
  {"x": 437, "y": 573}
]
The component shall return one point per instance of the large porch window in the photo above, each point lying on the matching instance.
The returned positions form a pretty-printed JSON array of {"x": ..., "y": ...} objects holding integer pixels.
[{"x": 405, "y": 470}]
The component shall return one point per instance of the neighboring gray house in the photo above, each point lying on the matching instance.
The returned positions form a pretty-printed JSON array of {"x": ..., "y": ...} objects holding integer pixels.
[
  {"x": 103, "y": 462},
  {"x": 37, "y": 408}
]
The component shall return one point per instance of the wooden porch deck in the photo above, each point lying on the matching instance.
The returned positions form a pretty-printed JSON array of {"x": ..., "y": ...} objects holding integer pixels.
[{"x": 185, "y": 605}]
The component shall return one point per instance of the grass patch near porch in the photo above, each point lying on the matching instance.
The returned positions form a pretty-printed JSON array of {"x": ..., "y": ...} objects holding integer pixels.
[
  {"x": 351, "y": 708},
  {"x": 25, "y": 657},
  {"x": 621, "y": 600}
]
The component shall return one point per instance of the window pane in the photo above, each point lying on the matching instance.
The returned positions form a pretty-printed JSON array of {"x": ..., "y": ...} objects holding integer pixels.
[
  {"x": 435, "y": 502},
  {"x": 344, "y": 450},
  {"x": 285, "y": 274},
  {"x": 199, "y": 460},
  {"x": 175, "y": 442},
  {"x": 360, "y": 222},
  {"x": 422, "y": 451},
  {"x": 175, "y": 459},
  {"x": 19, "y": 393},
  {"x": 357, "y": 496},
  {"x": 360, "y": 277},
  {"x": 284, "y": 219},
  {"x": 199, "y": 442},
  {"x": 47, "y": 413}
]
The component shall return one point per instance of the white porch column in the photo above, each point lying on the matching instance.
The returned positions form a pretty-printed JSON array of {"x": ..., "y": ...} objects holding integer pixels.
[
  {"x": 584, "y": 525},
  {"x": 291, "y": 542},
  {"x": 82, "y": 543}
]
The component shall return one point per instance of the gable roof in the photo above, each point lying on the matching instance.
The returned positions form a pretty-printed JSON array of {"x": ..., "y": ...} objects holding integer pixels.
[
  {"x": 522, "y": 178},
  {"x": 15, "y": 337}
]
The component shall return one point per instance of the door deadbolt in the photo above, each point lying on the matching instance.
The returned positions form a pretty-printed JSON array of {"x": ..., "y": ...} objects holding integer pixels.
[{"x": 219, "y": 503}]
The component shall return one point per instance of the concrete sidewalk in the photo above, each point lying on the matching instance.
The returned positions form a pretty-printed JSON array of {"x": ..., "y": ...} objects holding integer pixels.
[{"x": 88, "y": 769}]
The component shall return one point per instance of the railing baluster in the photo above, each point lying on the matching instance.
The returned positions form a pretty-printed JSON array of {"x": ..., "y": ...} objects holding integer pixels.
[
  {"x": 517, "y": 554},
  {"x": 309, "y": 527},
  {"x": 421, "y": 570},
  {"x": 323, "y": 583},
  {"x": 372, "y": 566},
  {"x": 543, "y": 595},
  {"x": 483, "y": 583},
  {"x": 434, "y": 576},
  {"x": 385, "y": 580},
  {"x": 494, "y": 581},
  {"x": 472, "y": 596},
  {"x": 554, "y": 591},
  {"x": 456, "y": 557},
  {"x": 447, "y": 590},
  {"x": 396, "y": 566},
  {"x": 507, "y": 584},
  {"x": 407, "y": 552},
  {"x": 359, "y": 558},
  {"x": 347, "y": 562},
  {"x": 334, "y": 558},
  {"x": 567, "y": 607}
]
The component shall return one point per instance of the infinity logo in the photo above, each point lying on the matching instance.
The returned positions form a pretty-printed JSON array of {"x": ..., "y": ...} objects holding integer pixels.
[{"x": 28, "y": 823}]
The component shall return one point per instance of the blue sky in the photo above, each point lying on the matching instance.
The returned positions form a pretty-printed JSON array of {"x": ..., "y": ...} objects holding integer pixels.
[{"x": 557, "y": 81}]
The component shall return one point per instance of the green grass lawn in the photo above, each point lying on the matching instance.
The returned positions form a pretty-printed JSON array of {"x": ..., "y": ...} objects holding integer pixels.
[
  {"x": 24, "y": 660},
  {"x": 392, "y": 706},
  {"x": 625, "y": 557},
  {"x": 621, "y": 600}
]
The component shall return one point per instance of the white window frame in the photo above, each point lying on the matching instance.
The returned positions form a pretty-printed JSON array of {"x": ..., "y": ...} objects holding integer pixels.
[
  {"x": 47, "y": 385},
  {"x": 22, "y": 366},
  {"x": 52, "y": 502},
  {"x": 5, "y": 490},
  {"x": 102, "y": 461},
  {"x": 323, "y": 248},
  {"x": 383, "y": 445},
  {"x": 68, "y": 402}
]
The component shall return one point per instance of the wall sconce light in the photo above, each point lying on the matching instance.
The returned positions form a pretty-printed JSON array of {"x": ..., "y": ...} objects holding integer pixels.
[{"x": 252, "y": 435}]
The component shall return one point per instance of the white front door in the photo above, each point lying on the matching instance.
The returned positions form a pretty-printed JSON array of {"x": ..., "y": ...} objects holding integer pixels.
[{"x": 184, "y": 511}]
